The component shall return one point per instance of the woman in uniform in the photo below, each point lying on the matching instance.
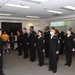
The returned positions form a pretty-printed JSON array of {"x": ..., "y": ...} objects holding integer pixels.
[
  {"x": 19, "y": 42},
  {"x": 69, "y": 45},
  {"x": 40, "y": 47},
  {"x": 53, "y": 50}
]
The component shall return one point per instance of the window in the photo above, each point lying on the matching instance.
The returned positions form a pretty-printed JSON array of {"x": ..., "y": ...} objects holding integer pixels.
[{"x": 60, "y": 23}]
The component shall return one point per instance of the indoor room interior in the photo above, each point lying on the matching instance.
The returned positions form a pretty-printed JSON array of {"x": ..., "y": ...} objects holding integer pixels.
[{"x": 18, "y": 14}]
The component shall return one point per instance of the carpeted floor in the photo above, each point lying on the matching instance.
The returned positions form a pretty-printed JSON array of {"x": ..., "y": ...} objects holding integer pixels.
[{"x": 16, "y": 65}]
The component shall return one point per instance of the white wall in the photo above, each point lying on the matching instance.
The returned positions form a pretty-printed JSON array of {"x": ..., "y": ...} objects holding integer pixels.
[{"x": 38, "y": 25}]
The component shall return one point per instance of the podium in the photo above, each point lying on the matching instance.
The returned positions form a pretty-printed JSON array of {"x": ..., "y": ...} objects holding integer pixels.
[{"x": 1, "y": 57}]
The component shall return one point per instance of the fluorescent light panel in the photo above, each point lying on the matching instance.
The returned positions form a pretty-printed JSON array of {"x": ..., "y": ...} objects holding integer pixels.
[
  {"x": 5, "y": 14},
  {"x": 70, "y": 7},
  {"x": 13, "y": 5},
  {"x": 39, "y": 0},
  {"x": 32, "y": 16},
  {"x": 58, "y": 12}
]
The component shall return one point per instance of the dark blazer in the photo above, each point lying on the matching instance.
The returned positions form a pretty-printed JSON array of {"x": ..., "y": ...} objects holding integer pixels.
[
  {"x": 19, "y": 39},
  {"x": 69, "y": 43},
  {"x": 41, "y": 43},
  {"x": 25, "y": 38},
  {"x": 54, "y": 45},
  {"x": 62, "y": 36},
  {"x": 46, "y": 36},
  {"x": 32, "y": 38},
  {"x": 72, "y": 33},
  {"x": 1, "y": 57}
]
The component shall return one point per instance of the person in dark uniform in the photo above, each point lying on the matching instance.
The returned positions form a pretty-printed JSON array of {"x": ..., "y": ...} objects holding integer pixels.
[
  {"x": 1, "y": 54},
  {"x": 57, "y": 33},
  {"x": 25, "y": 42},
  {"x": 61, "y": 35},
  {"x": 69, "y": 45},
  {"x": 19, "y": 42},
  {"x": 53, "y": 51},
  {"x": 46, "y": 37},
  {"x": 12, "y": 41},
  {"x": 32, "y": 44},
  {"x": 40, "y": 47},
  {"x": 72, "y": 31},
  {"x": 73, "y": 34}
]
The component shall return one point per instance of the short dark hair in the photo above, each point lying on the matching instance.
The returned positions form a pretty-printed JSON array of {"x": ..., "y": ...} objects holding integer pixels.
[
  {"x": 0, "y": 29},
  {"x": 53, "y": 28},
  {"x": 47, "y": 27},
  {"x": 40, "y": 32},
  {"x": 32, "y": 27},
  {"x": 70, "y": 30},
  {"x": 25, "y": 28}
]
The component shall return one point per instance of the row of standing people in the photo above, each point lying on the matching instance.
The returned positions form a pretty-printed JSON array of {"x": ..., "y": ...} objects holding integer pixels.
[
  {"x": 56, "y": 44},
  {"x": 53, "y": 43}
]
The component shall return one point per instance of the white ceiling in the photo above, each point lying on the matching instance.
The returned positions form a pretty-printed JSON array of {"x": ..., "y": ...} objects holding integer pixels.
[{"x": 37, "y": 9}]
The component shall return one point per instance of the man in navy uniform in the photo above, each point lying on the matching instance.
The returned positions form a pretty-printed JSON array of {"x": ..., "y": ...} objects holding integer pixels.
[
  {"x": 32, "y": 44},
  {"x": 46, "y": 37},
  {"x": 62, "y": 36}
]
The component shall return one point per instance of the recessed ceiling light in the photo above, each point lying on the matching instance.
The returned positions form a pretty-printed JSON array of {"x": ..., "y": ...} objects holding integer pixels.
[
  {"x": 57, "y": 12},
  {"x": 32, "y": 16},
  {"x": 5, "y": 14},
  {"x": 36, "y": 1},
  {"x": 70, "y": 7},
  {"x": 13, "y": 5},
  {"x": 39, "y": 0}
]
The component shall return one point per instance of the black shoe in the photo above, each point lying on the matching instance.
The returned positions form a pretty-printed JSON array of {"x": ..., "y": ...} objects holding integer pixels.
[
  {"x": 65, "y": 64},
  {"x": 25, "y": 57},
  {"x": 69, "y": 65},
  {"x": 19, "y": 54},
  {"x": 54, "y": 71},
  {"x": 32, "y": 61},
  {"x": 41, "y": 64}
]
